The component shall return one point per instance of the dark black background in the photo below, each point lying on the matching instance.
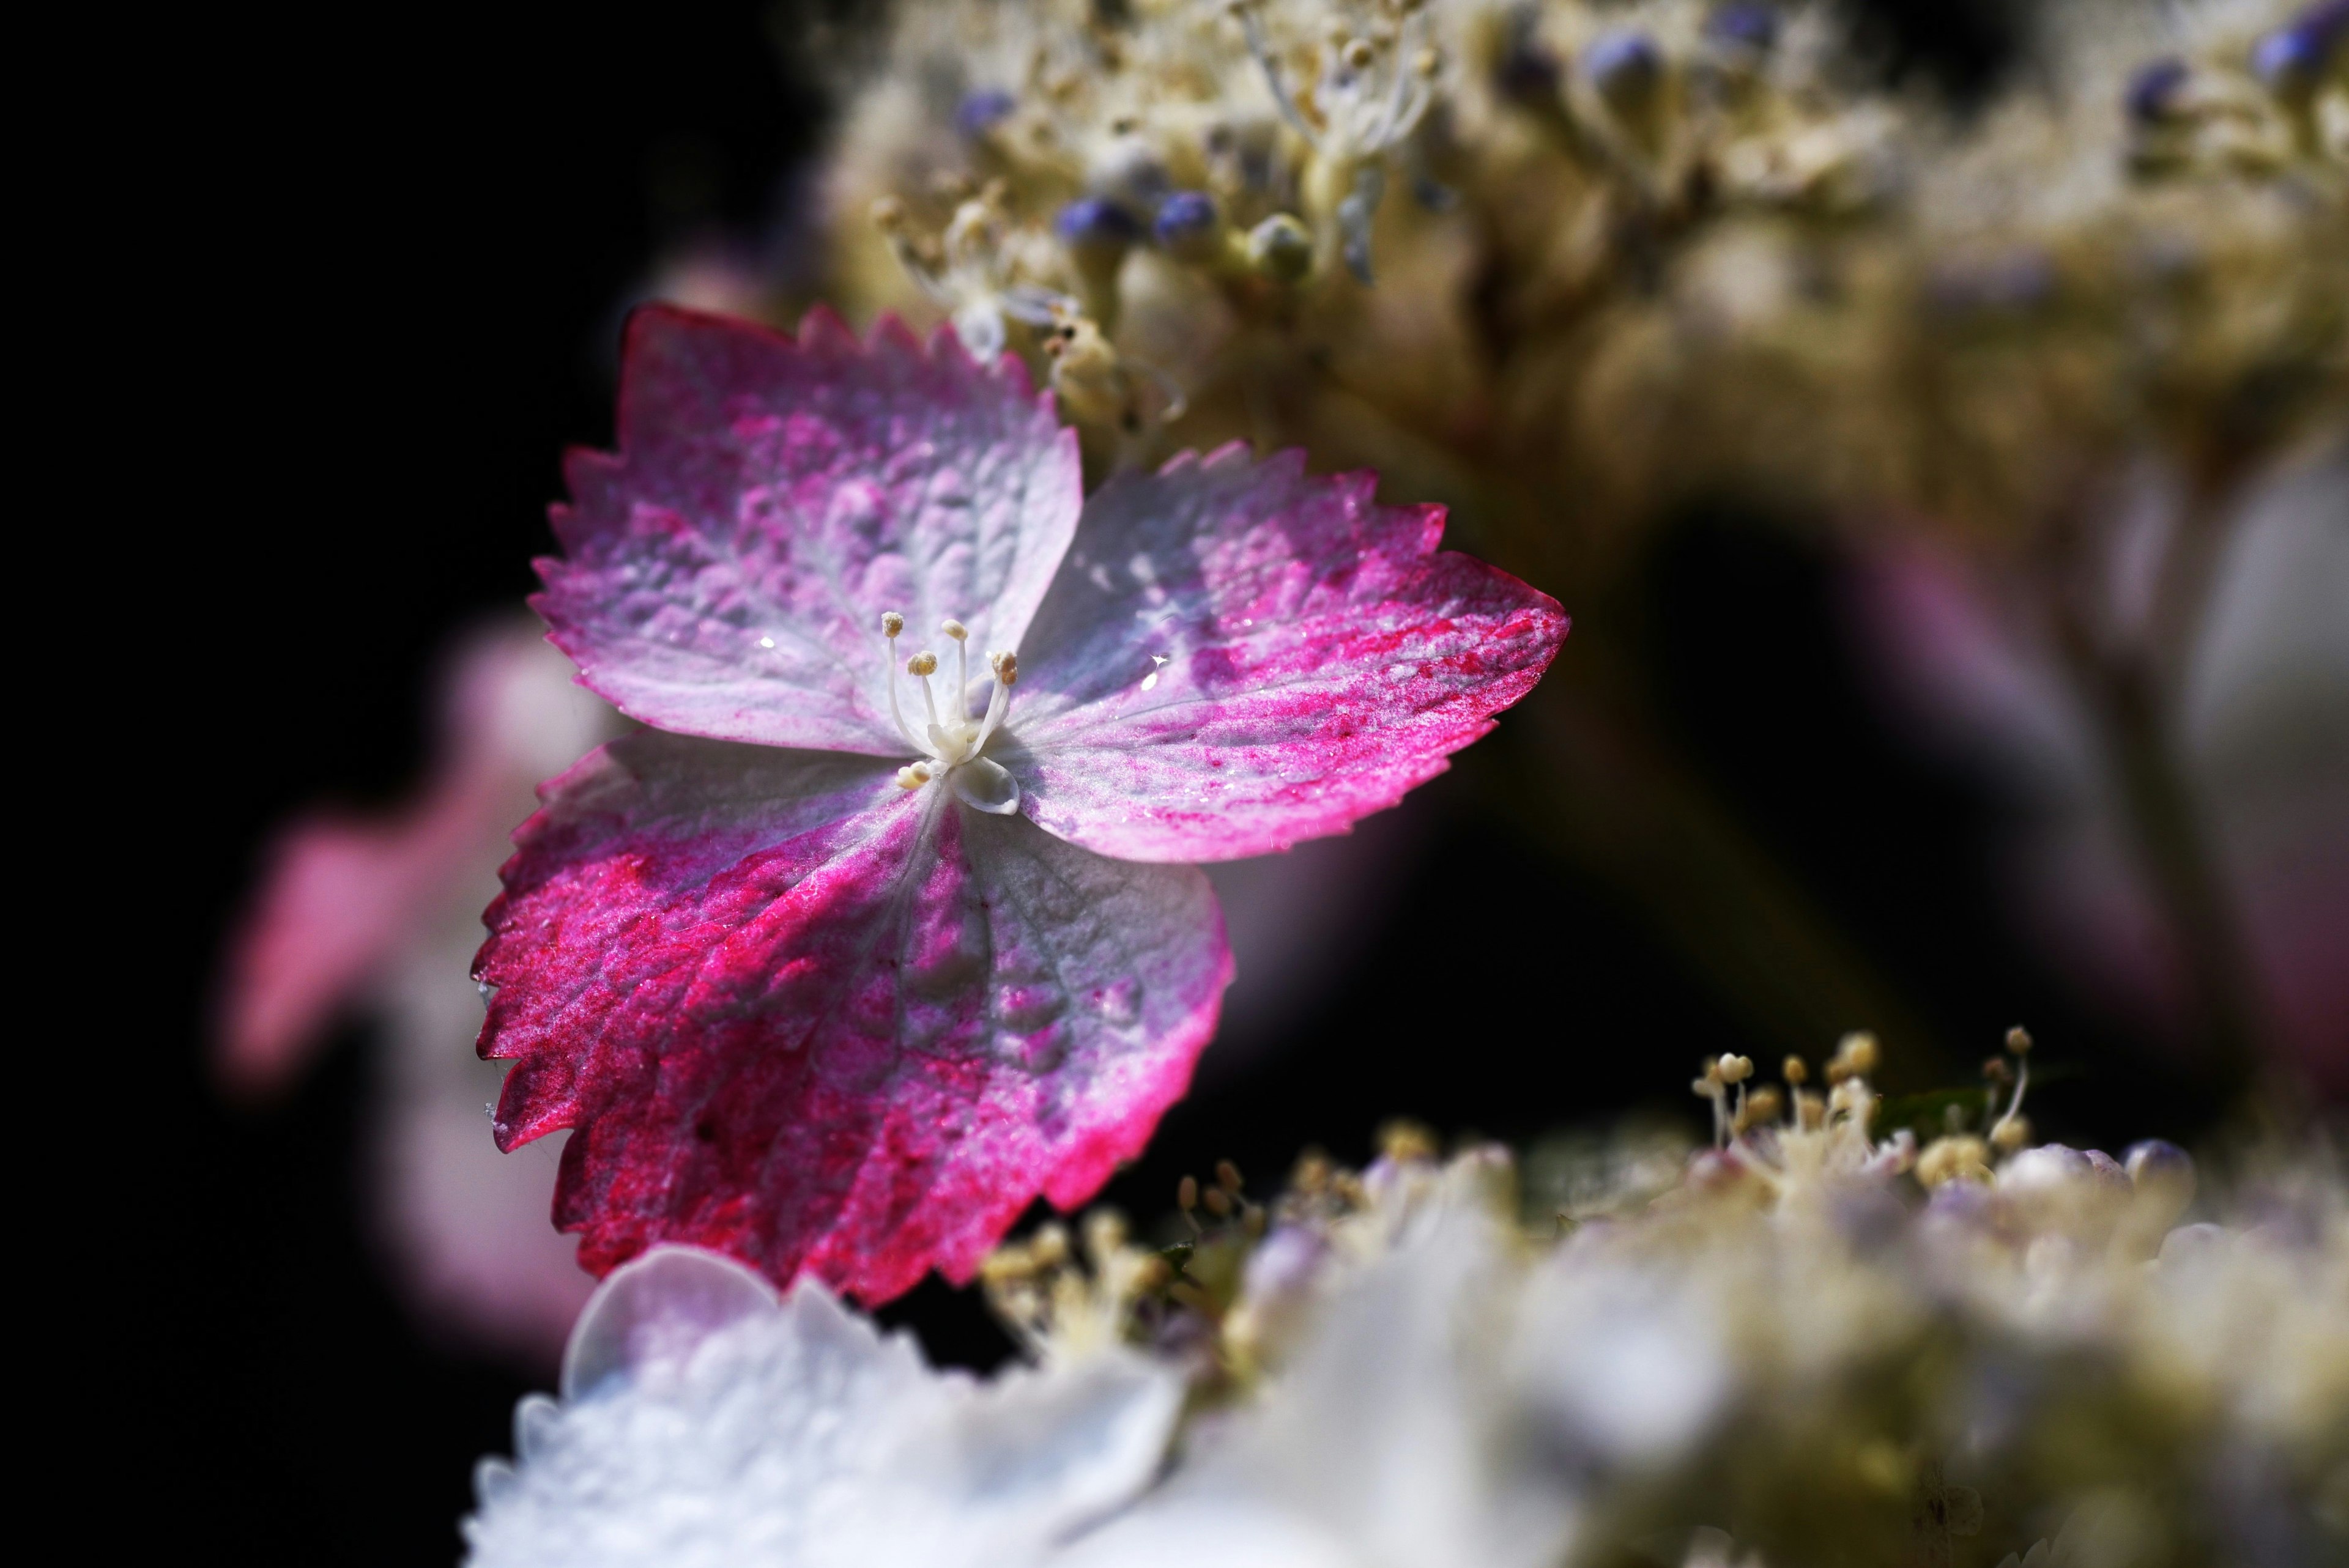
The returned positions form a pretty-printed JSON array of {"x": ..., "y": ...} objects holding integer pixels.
[{"x": 388, "y": 254}]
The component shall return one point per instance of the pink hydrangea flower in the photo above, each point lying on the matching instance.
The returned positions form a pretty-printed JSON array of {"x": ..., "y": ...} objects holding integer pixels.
[{"x": 852, "y": 953}]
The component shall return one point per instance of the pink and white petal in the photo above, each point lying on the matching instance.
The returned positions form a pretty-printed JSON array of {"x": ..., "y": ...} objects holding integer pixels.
[
  {"x": 724, "y": 574},
  {"x": 1237, "y": 656},
  {"x": 852, "y": 1045},
  {"x": 338, "y": 900}
]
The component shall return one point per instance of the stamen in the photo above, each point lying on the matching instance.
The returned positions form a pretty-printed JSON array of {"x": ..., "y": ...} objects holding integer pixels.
[
  {"x": 1407, "y": 101},
  {"x": 892, "y": 623},
  {"x": 2018, "y": 1041},
  {"x": 961, "y": 635},
  {"x": 1007, "y": 674},
  {"x": 923, "y": 665},
  {"x": 1735, "y": 1071},
  {"x": 1712, "y": 1088},
  {"x": 956, "y": 741},
  {"x": 1252, "y": 30}
]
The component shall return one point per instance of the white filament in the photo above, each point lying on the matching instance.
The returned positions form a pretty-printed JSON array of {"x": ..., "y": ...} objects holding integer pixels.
[{"x": 953, "y": 738}]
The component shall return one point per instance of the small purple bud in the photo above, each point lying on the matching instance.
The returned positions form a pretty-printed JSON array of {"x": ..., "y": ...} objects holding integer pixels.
[
  {"x": 1526, "y": 72},
  {"x": 983, "y": 110},
  {"x": 1432, "y": 195},
  {"x": 1962, "y": 1203},
  {"x": 1624, "y": 66},
  {"x": 1744, "y": 23},
  {"x": 1188, "y": 224},
  {"x": 1094, "y": 228},
  {"x": 2293, "y": 58},
  {"x": 2011, "y": 286},
  {"x": 2153, "y": 91}
]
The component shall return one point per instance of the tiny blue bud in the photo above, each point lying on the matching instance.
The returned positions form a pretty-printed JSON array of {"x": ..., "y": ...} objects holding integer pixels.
[
  {"x": 2153, "y": 91},
  {"x": 1624, "y": 66},
  {"x": 983, "y": 110},
  {"x": 2293, "y": 58},
  {"x": 1743, "y": 23},
  {"x": 1188, "y": 224},
  {"x": 1095, "y": 228}
]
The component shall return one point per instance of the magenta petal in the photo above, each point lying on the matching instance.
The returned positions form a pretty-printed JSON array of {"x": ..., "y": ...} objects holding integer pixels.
[
  {"x": 724, "y": 574},
  {"x": 802, "y": 1016},
  {"x": 1236, "y": 656}
]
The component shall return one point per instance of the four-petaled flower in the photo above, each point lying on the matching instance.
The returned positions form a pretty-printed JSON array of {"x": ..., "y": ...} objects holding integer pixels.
[{"x": 852, "y": 953}]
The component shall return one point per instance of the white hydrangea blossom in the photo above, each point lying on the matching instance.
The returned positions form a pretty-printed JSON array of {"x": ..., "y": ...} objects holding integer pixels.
[
  {"x": 1392, "y": 1436},
  {"x": 1404, "y": 1372},
  {"x": 707, "y": 1422}
]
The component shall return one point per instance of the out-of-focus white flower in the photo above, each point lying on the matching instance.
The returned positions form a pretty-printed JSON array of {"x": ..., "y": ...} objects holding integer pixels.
[
  {"x": 1391, "y": 1437},
  {"x": 704, "y": 1420},
  {"x": 1624, "y": 1366},
  {"x": 1833, "y": 1345}
]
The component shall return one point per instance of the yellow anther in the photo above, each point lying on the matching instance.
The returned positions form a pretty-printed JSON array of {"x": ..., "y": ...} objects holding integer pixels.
[
  {"x": 1795, "y": 1070},
  {"x": 1404, "y": 1139},
  {"x": 1005, "y": 667},
  {"x": 1949, "y": 1159},
  {"x": 1762, "y": 1107},
  {"x": 1856, "y": 1056},
  {"x": 1737, "y": 1070},
  {"x": 2018, "y": 1041},
  {"x": 954, "y": 629},
  {"x": 1359, "y": 55},
  {"x": 922, "y": 664},
  {"x": 891, "y": 623},
  {"x": 913, "y": 776},
  {"x": 1104, "y": 1233}
]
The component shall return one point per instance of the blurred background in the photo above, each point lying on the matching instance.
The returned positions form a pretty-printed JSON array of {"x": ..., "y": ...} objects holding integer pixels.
[{"x": 428, "y": 229}]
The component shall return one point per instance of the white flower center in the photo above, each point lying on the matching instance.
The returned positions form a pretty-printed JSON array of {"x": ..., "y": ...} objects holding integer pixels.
[{"x": 952, "y": 740}]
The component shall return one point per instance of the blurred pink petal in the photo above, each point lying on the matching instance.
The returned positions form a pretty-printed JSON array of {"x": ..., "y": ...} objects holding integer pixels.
[
  {"x": 340, "y": 897},
  {"x": 2263, "y": 734},
  {"x": 381, "y": 918}
]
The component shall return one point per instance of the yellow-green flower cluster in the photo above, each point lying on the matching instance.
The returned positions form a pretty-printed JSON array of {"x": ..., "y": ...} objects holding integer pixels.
[
  {"x": 1562, "y": 260},
  {"x": 1812, "y": 1343}
]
